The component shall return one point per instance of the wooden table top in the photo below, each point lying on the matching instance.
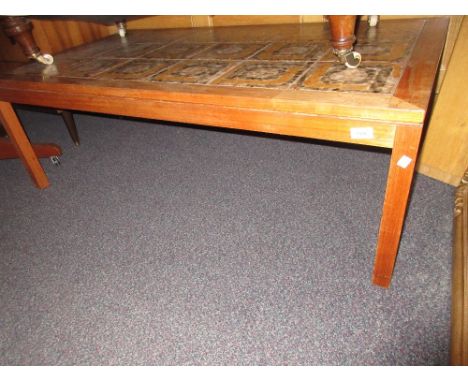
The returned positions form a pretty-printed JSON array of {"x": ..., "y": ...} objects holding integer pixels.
[{"x": 286, "y": 68}]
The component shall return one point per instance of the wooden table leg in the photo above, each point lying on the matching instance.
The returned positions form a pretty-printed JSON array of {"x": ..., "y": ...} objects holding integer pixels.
[
  {"x": 400, "y": 176},
  {"x": 71, "y": 126},
  {"x": 19, "y": 139}
]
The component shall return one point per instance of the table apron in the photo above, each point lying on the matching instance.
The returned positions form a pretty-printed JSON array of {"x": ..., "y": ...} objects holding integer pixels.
[{"x": 350, "y": 130}]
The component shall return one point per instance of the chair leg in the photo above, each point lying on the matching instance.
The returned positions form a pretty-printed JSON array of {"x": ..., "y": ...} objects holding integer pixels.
[
  {"x": 71, "y": 126},
  {"x": 400, "y": 176},
  {"x": 19, "y": 29},
  {"x": 342, "y": 39}
]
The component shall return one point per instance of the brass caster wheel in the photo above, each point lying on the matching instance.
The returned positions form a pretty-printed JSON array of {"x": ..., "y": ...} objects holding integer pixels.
[
  {"x": 352, "y": 60},
  {"x": 55, "y": 160},
  {"x": 45, "y": 59}
]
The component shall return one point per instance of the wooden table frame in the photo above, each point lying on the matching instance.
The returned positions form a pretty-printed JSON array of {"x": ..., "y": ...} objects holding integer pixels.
[{"x": 397, "y": 120}]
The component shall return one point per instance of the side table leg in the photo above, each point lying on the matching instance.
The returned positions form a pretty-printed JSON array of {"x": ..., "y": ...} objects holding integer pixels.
[
  {"x": 343, "y": 38},
  {"x": 18, "y": 137},
  {"x": 400, "y": 176}
]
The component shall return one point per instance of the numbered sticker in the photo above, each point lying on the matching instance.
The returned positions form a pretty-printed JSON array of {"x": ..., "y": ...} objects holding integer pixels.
[{"x": 362, "y": 133}]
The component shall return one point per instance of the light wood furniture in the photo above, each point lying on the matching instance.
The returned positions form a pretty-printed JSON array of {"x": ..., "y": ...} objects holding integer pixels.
[
  {"x": 276, "y": 79},
  {"x": 444, "y": 155}
]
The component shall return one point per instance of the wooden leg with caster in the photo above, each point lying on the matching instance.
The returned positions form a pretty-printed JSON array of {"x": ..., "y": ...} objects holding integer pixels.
[
  {"x": 343, "y": 38},
  {"x": 400, "y": 176},
  {"x": 20, "y": 142},
  {"x": 19, "y": 29}
]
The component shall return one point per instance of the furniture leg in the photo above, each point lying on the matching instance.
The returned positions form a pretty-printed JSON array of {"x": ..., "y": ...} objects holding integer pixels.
[
  {"x": 400, "y": 176},
  {"x": 44, "y": 150},
  {"x": 21, "y": 142},
  {"x": 71, "y": 126},
  {"x": 343, "y": 38},
  {"x": 19, "y": 29},
  {"x": 121, "y": 28},
  {"x": 373, "y": 20}
]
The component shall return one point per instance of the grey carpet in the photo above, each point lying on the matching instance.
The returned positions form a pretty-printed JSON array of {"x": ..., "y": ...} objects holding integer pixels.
[{"x": 170, "y": 245}]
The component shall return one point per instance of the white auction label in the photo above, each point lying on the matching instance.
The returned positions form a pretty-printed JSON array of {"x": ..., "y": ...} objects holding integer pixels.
[
  {"x": 362, "y": 133},
  {"x": 404, "y": 161}
]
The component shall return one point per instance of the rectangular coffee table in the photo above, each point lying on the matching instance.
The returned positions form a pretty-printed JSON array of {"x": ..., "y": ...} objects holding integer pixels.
[{"x": 280, "y": 79}]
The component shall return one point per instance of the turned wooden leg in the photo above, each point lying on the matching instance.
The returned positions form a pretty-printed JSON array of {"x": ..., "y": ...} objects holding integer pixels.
[
  {"x": 21, "y": 142},
  {"x": 400, "y": 176},
  {"x": 343, "y": 38},
  {"x": 71, "y": 126},
  {"x": 19, "y": 29}
]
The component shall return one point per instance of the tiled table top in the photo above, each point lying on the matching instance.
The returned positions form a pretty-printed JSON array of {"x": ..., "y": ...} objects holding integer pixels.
[{"x": 296, "y": 58}]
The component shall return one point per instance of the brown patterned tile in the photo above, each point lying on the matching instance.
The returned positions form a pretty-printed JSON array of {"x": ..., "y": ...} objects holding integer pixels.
[
  {"x": 131, "y": 50},
  {"x": 263, "y": 74},
  {"x": 368, "y": 77},
  {"x": 82, "y": 68},
  {"x": 390, "y": 31},
  {"x": 94, "y": 50},
  {"x": 178, "y": 50},
  {"x": 151, "y": 35},
  {"x": 388, "y": 52},
  {"x": 288, "y": 51},
  {"x": 137, "y": 69},
  {"x": 229, "y": 51},
  {"x": 193, "y": 72},
  {"x": 30, "y": 68}
]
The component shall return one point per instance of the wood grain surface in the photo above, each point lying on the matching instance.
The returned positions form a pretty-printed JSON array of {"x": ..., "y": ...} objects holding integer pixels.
[{"x": 444, "y": 155}]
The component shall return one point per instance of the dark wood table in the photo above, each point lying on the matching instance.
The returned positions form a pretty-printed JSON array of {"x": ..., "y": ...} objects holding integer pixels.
[{"x": 281, "y": 79}]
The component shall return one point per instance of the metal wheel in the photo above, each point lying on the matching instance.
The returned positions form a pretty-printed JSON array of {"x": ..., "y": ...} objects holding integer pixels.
[
  {"x": 45, "y": 58},
  {"x": 353, "y": 59},
  {"x": 55, "y": 160}
]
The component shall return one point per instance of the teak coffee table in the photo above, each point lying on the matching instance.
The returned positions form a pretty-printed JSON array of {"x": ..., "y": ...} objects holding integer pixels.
[{"x": 281, "y": 79}]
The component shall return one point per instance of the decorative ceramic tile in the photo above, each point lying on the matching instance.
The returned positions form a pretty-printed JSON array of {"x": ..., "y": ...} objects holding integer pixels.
[
  {"x": 287, "y": 51},
  {"x": 83, "y": 68},
  {"x": 193, "y": 72},
  {"x": 263, "y": 74},
  {"x": 30, "y": 68},
  {"x": 368, "y": 77},
  {"x": 178, "y": 50},
  {"x": 137, "y": 69},
  {"x": 94, "y": 50},
  {"x": 390, "y": 31},
  {"x": 388, "y": 52},
  {"x": 229, "y": 51},
  {"x": 151, "y": 35},
  {"x": 131, "y": 50},
  {"x": 306, "y": 32}
]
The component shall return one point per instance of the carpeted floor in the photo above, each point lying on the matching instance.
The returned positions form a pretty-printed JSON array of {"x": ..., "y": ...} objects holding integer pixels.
[{"x": 169, "y": 245}]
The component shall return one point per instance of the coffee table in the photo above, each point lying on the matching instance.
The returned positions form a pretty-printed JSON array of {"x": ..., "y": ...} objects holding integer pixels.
[{"x": 281, "y": 79}]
